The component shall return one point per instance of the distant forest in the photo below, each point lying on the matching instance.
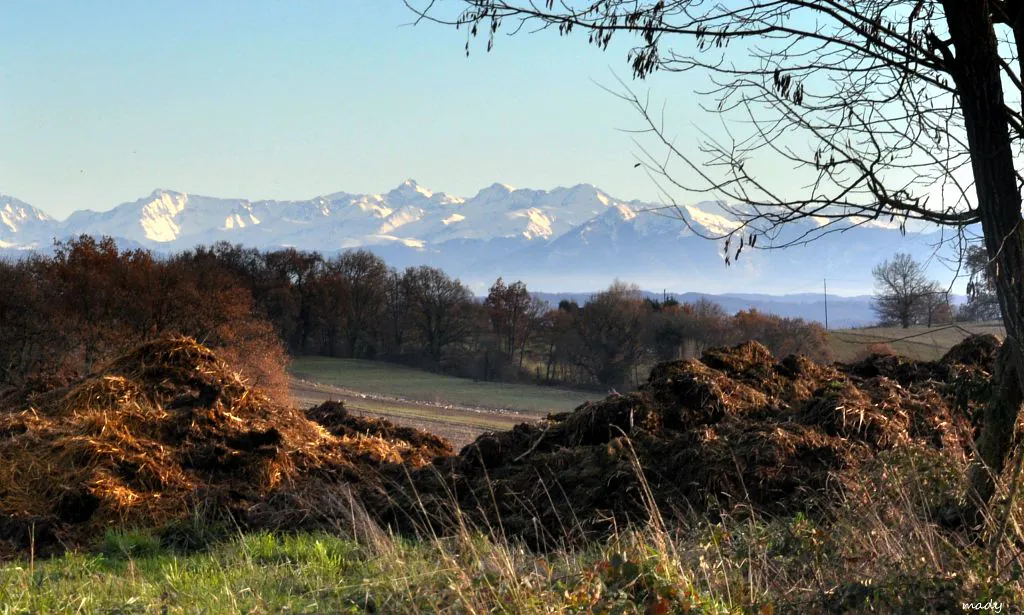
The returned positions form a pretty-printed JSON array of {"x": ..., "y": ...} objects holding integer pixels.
[{"x": 63, "y": 314}]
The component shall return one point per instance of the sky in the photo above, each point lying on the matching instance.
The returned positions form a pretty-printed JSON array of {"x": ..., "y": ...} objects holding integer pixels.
[{"x": 103, "y": 102}]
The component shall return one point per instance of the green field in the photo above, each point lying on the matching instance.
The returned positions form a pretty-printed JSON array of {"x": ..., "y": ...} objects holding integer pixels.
[
  {"x": 922, "y": 343},
  {"x": 378, "y": 378},
  {"x": 304, "y": 573},
  {"x": 728, "y": 567},
  {"x": 263, "y": 573}
]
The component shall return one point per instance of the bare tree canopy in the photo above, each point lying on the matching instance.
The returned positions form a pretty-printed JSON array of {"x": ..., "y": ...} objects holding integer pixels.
[
  {"x": 901, "y": 290},
  {"x": 609, "y": 328},
  {"x": 893, "y": 111},
  {"x": 438, "y": 305}
]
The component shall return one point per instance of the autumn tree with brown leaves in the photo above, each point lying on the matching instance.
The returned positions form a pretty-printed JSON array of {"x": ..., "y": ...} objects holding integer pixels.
[
  {"x": 514, "y": 315},
  {"x": 63, "y": 316}
]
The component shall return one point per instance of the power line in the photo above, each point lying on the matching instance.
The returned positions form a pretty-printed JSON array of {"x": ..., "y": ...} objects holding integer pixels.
[{"x": 907, "y": 337}]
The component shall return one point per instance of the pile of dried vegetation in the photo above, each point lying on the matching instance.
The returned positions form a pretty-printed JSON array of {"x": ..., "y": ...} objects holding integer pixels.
[
  {"x": 169, "y": 434},
  {"x": 734, "y": 431},
  {"x": 411, "y": 446}
]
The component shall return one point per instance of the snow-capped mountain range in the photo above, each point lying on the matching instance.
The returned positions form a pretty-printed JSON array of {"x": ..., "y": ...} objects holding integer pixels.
[{"x": 564, "y": 239}]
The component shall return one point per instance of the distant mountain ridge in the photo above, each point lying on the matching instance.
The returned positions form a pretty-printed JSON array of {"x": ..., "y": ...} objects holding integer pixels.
[{"x": 577, "y": 238}]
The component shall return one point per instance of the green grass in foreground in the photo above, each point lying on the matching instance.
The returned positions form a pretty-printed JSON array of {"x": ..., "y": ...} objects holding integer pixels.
[
  {"x": 306, "y": 573},
  {"x": 877, "y": 551},
  {"x": 736, "y": 566},
  {"x": 388, "y": 379}
]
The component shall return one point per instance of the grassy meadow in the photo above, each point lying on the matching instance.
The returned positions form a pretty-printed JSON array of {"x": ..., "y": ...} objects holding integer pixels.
[
  {"x": 379, "y": 378},
  {"x": 458, "y": 424},
  {"x": 917, "y": 342}
]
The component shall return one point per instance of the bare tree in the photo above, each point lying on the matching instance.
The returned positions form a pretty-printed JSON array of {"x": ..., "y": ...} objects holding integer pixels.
[
  {"x": 609, "y": 330},
  {"x": 395, "y": 315},
  {"x": 360, "y": 278},
  {"x": 878, "y": 104},
  {"x": 902, "y": 290},
  {"x": 294, "y": 273},
  {"x": 514, "y": 314},
  {"x": 439, "y": 309}
]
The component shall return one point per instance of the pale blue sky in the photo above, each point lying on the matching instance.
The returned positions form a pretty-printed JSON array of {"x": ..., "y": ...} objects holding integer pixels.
[{"x": 101, "y": 102}]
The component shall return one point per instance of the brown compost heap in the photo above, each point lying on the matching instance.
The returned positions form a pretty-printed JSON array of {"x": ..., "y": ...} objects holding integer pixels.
[
  {"x": 168, "y": 433},
  {"x": 736, "y": 428}
]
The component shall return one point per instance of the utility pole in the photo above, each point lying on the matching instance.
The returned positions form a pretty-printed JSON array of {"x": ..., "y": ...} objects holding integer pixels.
[{"x": 825, "y": 282}]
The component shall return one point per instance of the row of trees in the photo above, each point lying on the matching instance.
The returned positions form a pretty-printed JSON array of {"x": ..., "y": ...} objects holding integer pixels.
[
  {"x": 354, "y": 305},
  {"x": 618, "y": 331},
  {"x": 904, "y": 295},
  {"x": 66, "y": 313}
]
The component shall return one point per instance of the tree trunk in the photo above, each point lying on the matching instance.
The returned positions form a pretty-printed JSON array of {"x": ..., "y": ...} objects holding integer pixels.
[
  {"x": 975, "y": 71},
  {"x": 994, "y": 444}
]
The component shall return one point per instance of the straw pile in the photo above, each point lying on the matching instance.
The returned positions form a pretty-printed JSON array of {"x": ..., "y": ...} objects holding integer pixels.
[
  {"x": 736, "y": 428},
  {"x": 164, "y": 433},
  {"x": 408, "y": 445},
  {"x": 169, "y": 433}
]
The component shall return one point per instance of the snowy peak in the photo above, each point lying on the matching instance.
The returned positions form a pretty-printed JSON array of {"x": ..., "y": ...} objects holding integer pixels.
[
  {"x": 708, "y": 215},
  {"x": 503, "y": 212},
  {"x": 582, "y": 201},
  {"x": 409, "y": 215},
  {"x": 538, "y": 223},
  {"x": 15, "y": 214},
  {"x": 494, "y": 192},
  {"x": 409, "y": 191},
  {"x": 411, "y": 194},
  {"x": 23, "y": 226},
  {"x": 166, "y": 217},
  {"x": 159, "y": 218},
  {"x": 624, "y": 211}
]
